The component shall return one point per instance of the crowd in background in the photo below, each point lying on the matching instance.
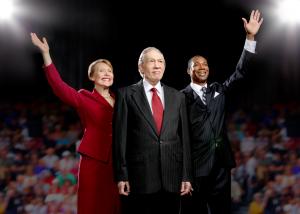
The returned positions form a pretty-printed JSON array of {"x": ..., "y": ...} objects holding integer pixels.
[
  {"x": 38, "y": 159},
  {"x": 266, "y": 142}
]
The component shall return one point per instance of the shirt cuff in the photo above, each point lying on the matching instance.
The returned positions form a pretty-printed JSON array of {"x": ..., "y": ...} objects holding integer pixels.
[{"x": 250, "y": 45}]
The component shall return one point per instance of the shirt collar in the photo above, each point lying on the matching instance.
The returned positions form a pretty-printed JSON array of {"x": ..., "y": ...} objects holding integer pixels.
[
  {"x": 148, "y": 86},
  {"x": 197, "y": 87}
]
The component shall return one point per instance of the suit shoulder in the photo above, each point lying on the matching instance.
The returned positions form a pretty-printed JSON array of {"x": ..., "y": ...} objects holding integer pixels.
[
  {"x": 86, "y": 94},
  {"x": 121, "y": 90},
  {"x": 185, "y": 90},
  {"x": 84, "y": 91},
  {"x": 171, "y": 89},
  {"x": 215, "y": 85},
  {"x": 174, "y": 91},
  {"x": 126, "y": 90}
]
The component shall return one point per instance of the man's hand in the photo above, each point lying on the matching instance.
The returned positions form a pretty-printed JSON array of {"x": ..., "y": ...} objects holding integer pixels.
[
  {"x": 186, "y": 188},
  {"x": 253, "y": 25},
  {"x": 124, "y": 188}
]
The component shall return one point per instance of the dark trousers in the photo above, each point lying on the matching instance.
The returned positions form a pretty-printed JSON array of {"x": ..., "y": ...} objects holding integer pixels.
[
  {"x": 211, "y": 194},
  {"x": 157, "y": 203}
]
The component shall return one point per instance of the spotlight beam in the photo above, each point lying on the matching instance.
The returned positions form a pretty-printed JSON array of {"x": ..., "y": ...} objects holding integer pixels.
[
  {"x": 6, "y": 9},
  {"x": 288, "y": 10}
]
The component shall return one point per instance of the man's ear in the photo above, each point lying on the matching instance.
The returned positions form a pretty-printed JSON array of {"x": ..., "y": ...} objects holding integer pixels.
[
  {"x": 188, "y": 71},
  {"x": 141, "y": 70}
]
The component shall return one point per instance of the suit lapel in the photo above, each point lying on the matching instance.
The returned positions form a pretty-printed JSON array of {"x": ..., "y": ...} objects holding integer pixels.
[
  {"x": 141, "y": 101},
  {"x": 193, "y": 96},
  {"x": 209, "y": 94},
  {"x": 98, "y": 98},
  {"x": 191, "y": 93},
  {"x": 168, "y": 108}
]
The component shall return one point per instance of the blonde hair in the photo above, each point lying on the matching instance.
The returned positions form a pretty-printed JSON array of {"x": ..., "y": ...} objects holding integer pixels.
[{"x": 91, "y": 68}]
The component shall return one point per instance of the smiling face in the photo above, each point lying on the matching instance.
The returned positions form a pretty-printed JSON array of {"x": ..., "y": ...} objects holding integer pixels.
[
  {"x": 198, "y": 70},
  {"x": 101, "y": 73},
  {"x": 152, "y": 66}
]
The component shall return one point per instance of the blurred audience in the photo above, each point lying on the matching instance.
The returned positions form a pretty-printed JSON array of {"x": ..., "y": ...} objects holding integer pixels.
[{"x": 38, "y": 160}]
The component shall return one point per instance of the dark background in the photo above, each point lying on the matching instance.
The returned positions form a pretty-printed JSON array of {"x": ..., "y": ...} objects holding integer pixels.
[{"x": 81, "y": 31}]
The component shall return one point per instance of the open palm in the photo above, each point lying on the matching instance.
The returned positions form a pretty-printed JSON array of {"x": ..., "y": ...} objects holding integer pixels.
[
  {"x": 42, "y": 45},
  {"x": 254, "y": 23}
]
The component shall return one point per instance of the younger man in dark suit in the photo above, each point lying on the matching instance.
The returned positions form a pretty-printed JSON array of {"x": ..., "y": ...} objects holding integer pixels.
[{"x": 212, "y": 156}]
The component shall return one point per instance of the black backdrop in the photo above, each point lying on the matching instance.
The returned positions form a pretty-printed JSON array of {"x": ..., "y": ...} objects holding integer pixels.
[{"x": 81, "y": 31}]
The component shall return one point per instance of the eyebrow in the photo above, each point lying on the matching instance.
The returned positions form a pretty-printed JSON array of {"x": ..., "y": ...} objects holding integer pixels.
[{"x": 159, "y": 59}]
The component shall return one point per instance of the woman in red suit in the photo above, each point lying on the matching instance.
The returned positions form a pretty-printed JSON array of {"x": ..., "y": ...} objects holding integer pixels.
[{"x": 97, "y": 191}]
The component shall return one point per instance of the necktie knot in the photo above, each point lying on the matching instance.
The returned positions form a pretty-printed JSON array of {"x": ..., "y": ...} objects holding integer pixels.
[
  {"x": 154, "y": 90},
  {"x": 157, "y": 109}
]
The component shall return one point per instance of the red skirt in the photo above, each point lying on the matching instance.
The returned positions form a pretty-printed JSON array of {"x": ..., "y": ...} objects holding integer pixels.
[{"x": 97, "y": 191}]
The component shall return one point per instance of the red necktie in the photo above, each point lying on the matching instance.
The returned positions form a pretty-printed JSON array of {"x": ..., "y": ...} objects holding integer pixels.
[{"x": 157, "y": 109}]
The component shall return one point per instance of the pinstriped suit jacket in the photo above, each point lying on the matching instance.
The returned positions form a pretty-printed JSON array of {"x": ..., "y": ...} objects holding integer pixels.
[
  {"x": 207, "y": 122},
  {"x": 148, "y": 161}
]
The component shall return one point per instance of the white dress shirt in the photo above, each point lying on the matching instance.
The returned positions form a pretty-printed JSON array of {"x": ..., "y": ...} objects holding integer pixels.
[
  {"x": 250, "y": 45},
  {"x": 198, "y": 89},
  {"x": 160, "y": 92}
]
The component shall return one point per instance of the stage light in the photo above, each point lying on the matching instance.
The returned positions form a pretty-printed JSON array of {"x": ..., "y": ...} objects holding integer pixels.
[
  {"x": 6, "y": 9},
  {"x": 288, "y": 11}
]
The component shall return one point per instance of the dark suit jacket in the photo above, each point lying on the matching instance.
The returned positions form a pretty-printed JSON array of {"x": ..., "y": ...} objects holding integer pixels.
[
  {"x": 95, "y": 114},
  {"x": 207, "y": 122},
  {"x": 148, "y": 161}
]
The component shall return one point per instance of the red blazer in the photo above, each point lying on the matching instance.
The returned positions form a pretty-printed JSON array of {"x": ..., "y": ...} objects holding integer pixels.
[{"x": 94, "y": 111}]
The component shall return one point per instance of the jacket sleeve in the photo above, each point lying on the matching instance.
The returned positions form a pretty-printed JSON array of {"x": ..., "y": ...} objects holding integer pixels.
[
  {"x": 240, "y": 70},
  {"x": 61, "y": 89},
  {"x": 187, "y": 168},
  {"x": 120, "y": 137}
]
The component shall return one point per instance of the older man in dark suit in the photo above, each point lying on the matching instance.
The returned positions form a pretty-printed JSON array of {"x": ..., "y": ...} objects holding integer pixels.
[
  {"x": 212, "y": 156},
  {"x": 151, "y": 141}
]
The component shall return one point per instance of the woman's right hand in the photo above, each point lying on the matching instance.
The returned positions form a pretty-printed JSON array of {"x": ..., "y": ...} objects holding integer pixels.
[{"x": 42, "y": 45}]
